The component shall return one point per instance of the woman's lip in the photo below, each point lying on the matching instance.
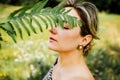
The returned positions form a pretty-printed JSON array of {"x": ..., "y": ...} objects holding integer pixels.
[{"x": 52, "y": 39}]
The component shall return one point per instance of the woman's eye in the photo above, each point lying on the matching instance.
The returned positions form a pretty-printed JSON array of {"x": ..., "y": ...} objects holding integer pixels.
[{"x": 66, "y": 28}]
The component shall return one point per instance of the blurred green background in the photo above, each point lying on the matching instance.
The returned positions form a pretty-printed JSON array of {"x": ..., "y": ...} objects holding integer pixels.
[{"x": 30, "y": 59}]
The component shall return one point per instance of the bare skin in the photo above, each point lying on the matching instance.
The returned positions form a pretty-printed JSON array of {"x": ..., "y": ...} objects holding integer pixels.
[
  {"x": 71, "y": 64},
  {"x": 71, "y": 67}
]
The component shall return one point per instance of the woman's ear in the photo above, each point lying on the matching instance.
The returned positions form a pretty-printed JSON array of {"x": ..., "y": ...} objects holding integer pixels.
[{"x": 86, "y": 40}]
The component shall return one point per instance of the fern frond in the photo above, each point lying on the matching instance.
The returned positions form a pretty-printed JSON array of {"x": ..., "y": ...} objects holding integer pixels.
[
  {"x": 43, "y": 19},
  {"x": 8, "y": 28},
  {"x": 37, "y": 8},
  {"x": 23, "y": 25},
  {"x": 40, "y": 16},
  {"x": 20, "y": 12},
  {"x": 38, "y": 24},
  {"x": 15, "y": 23}
]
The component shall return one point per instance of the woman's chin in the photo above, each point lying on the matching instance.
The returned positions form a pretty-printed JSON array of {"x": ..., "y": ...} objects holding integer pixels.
[{"x": 52, "y": 47}]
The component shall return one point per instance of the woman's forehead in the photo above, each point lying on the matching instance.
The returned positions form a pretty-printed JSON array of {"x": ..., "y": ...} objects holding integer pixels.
[{"x": 73, "y": 12}]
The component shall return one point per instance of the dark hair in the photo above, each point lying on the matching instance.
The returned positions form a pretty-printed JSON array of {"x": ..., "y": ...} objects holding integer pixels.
[{"x": 89, "y": 18}]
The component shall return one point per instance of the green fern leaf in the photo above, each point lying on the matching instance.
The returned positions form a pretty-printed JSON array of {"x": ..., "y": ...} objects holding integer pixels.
[
  {"x": 60, "y": 21},
  {"x": 67, "y": 11},
  {"x": 24, "y": 26},
  {"x": 50, "y": 21},
  {"x": 20, "y": 12},
  {"x": 14, "y": 13},
  {"x": 9, "y": 29},
  {"x": 38, "y": 23},
  {"x": 15, "y": 23},
  {"x": 54, "y": 20},
  {"x": 42, "y": 18},
  {"x": 46, "y": 10},
  {"x": 50, "y": 17},
  {"x": 29, "y": 22},
  {"x": 79, "y": 23},
  {"x": 38, "y": 6},
  {"x": 57, "y": 9},
  {"x": 71, "y": 21}
]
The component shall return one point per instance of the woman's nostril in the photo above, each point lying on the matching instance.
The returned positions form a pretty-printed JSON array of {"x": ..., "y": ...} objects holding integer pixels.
[
  {"x": 50, "y": 30},
  {"x": 53, "y": 31}
]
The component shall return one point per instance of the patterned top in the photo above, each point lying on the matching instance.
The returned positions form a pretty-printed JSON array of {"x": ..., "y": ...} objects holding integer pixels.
[{"x": 49, "y": 74}]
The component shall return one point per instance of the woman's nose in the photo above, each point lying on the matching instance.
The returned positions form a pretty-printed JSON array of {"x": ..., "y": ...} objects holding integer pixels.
[{"x": 53, "y": 31}]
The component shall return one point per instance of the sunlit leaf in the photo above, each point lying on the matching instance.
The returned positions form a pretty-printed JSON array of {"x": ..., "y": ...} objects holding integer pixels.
[
  {"x": 29, "y": 23},
  {"x": 38, "y": 6},
  {"x": 24, "y": 26},
  {"x": 45, "y": 22},
  {"x": 48, "y": 17},
  {"x": 38, "y": 24},
  {"x": 15, "y": 23}
]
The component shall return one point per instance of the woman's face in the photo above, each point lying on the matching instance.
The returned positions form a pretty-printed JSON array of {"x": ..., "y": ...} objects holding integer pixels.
[{"x": 67, "y": 39}]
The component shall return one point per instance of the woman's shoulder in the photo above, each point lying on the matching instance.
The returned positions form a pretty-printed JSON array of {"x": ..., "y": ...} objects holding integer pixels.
[
  {"x": 77, "y": 74},
  {"x": 82, "y": 73},
  {"x": 81, "y": 78}
]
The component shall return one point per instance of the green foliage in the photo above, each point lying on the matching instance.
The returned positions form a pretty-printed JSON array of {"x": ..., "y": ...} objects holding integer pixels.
[
  {"x": 26, "y": 61},
  {"x": 104, "y": 65},
  {"x": 111, "y": 6},
  {"x": 19, "y": 2},
  {"x": 36, "y": 15}
]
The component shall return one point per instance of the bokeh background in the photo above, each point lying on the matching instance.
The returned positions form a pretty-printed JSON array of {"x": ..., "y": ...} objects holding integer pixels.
[{"x": 30, "y": 59}]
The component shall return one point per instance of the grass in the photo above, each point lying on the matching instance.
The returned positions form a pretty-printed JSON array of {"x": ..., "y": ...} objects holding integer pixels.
[
  {"x": 109, "y": 29},
  {"x": 5, "y": 10}
]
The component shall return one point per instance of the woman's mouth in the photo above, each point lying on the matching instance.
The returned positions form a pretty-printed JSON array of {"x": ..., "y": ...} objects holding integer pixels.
[{"x": 51, "y": 39}]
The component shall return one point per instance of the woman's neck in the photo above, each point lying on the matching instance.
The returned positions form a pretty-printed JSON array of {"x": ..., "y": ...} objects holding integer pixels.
[{"x": 70, "y": 58}]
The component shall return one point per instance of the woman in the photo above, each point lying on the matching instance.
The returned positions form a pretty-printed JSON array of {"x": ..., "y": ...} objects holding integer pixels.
[{"x": 73, "y": 44}]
